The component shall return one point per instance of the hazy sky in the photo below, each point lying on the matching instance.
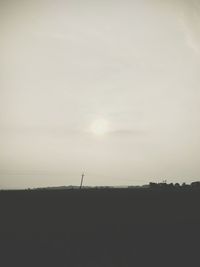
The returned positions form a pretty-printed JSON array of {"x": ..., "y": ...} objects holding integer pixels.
[{"x": 111, "y": 88}]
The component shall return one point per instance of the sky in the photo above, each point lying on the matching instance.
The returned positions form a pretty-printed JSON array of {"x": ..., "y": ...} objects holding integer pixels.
[{"x": 109, "y": 88}]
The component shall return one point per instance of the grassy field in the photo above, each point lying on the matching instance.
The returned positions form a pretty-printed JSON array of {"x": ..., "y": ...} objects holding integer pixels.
[{"x": 100, "y": 228}]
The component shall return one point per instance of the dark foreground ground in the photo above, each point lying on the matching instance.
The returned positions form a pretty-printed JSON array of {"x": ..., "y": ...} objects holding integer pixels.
[{"x": 100, "y": 228}]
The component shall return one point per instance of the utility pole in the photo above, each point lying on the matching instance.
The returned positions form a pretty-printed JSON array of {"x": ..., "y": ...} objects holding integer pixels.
[{"x": 82, "y": 180}]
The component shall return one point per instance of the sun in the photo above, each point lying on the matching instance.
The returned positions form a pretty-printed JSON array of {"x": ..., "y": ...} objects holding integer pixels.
[{"x": 99, "y": 127}]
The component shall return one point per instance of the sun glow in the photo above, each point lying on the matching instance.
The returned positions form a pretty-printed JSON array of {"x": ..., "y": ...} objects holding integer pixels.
[{"x": 99, "y": 127}]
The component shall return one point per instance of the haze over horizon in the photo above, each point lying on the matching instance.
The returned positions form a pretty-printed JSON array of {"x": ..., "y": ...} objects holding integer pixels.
[{"x": 110, "y": 88}]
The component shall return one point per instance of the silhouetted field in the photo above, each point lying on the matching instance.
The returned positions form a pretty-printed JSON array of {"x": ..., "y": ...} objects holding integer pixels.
[{"x": 100, "y": 228}]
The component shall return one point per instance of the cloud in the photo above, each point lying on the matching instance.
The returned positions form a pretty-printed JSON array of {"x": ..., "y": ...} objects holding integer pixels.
[
  {"x": 190, "y": 24},
  {"x": 187, "y": 13},
  {"x": 128, "y": 132},
  {"x": 52, "y": 35}
]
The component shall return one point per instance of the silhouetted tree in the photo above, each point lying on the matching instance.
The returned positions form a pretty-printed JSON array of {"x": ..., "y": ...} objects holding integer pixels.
[
  {"x": 171, "y": 185},
  {"x": 195, "y": 184},
  {"x": 153, "y": 185}
]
